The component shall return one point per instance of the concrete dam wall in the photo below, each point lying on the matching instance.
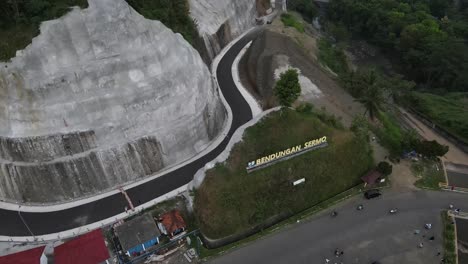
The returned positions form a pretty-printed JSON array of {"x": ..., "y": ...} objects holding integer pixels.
[
  {"x": 100, "y": 98},
  {"x": 220, "y": 21}
]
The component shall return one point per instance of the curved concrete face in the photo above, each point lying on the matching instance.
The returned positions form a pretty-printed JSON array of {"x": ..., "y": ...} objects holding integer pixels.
[
  {"x": 220, "y": 21},
  {"x": 101, "y": 97}
]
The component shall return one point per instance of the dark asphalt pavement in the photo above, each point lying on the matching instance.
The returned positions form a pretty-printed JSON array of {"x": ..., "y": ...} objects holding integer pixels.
[
  {"x": 457, "y": 179},
  {"x": 52, "y": 222},
  {"x": 462, "y": 236},
  {"x": 457, "y": 174},
  {"x": 364, "y": 236}
]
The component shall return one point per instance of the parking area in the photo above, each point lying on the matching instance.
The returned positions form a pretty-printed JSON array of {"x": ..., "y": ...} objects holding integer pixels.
[
  {"x": 462, "y": 236},
  {"x": 457, "y": 175},
  {"x": 367, "y": 235}
]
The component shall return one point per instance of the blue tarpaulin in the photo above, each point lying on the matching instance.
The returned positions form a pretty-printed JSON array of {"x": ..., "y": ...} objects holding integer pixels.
[{"x": 139, "y": 248}]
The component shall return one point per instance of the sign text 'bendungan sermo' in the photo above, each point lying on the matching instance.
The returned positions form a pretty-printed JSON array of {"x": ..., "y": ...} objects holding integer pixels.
[{"x": 316, "y": 143}]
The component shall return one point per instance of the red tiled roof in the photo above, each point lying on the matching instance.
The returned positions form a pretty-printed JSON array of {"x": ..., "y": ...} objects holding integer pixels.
[
  {"x": 32, "y": 256},
  {"x": 89, "y": 248},
  {"x": 172, "y": 221},
  {"x": 371, "y": 177}
]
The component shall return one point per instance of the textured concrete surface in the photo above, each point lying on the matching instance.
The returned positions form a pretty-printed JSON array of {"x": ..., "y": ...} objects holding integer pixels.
[
  {"x": 220, "y": 21},
  {"x": 100, "y": 98},
  {"x": 365, "y": 236},
  {"x": 71, "y": 221}
]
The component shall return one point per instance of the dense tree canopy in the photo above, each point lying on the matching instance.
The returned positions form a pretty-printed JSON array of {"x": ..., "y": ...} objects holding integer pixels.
[{"x": 429, "y": 36}]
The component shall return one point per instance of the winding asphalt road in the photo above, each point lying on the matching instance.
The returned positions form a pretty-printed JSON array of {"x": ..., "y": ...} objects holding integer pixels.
[
  {"x": 365, "y": 236},
  {"x": 52, "y": 222}
]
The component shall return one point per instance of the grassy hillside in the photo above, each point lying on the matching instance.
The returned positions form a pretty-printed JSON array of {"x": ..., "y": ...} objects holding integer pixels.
[
  {"x": 230, "y": 200},
  {"x": 449, "y": 111}
]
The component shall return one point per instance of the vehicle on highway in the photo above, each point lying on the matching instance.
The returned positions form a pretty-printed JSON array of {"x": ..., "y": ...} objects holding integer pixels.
[
  {"x": 393, "y": 211},
  {"x": 370, "y": 194}
]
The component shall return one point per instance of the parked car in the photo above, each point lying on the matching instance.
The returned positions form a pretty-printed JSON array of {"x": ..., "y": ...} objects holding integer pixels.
[{"x": 370, "y": 194}]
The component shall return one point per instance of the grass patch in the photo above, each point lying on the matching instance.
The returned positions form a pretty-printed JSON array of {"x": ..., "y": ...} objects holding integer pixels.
[
  {"x": 450, "y": 255},
  {"x": 449, "y": 111},
  {"x": 430, "y": 173},
  {"x": 210, "y": 253},
  {"x": 389, "y": 132},
  {"x": 231, "y": 201},
  {"x": 332, "y": 56},
  {"x": 291, "y": 21}
]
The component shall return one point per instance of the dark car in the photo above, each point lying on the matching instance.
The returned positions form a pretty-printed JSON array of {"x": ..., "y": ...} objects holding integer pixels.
[{"x": 370, "y": 194}]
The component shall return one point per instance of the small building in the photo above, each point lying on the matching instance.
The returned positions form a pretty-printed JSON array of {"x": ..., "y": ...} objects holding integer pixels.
[
  {"x": 172, "y": 224},
  {"x": 31, "y": 256},
  {"x": 138, "y": 234},
  {"x": 88, "y": 248},
  {"x": 372, "y": 177}
]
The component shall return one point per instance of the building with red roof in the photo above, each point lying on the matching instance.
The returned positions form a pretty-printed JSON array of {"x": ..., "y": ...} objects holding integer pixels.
[
  {"x": 89, "y": 248},
  {"x": 372, "y": 177},
  {"x": 172, "y": 223},
  {"x": 32, "y": 256}
]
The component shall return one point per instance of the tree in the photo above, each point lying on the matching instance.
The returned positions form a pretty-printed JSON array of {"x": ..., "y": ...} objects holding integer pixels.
[
  {"x": 431, "y": 149},
  {"x": 385, "y": 168},
  {"x": 287, "y": 88},
  {"x": 372, "y": 94}
]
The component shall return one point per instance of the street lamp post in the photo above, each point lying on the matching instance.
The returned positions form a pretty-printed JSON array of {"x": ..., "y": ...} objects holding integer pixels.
[{"x": 24, "y": 222}]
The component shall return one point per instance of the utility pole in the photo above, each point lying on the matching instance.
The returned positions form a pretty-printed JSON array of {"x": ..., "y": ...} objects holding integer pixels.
[{"x": 24, "y": 222}]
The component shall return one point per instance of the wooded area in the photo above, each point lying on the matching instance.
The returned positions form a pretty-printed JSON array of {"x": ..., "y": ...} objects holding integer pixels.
[
  {"x": 426, "y": 44},
  {"x": 428, "y": 38}
]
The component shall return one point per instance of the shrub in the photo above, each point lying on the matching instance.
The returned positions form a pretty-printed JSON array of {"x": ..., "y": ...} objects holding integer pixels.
[
  {"x": 385, "y": 168},
  {"x": 287, "y": 88},
  {"x": 290, "y": 21},
  {"x": 305, "y": 108}
]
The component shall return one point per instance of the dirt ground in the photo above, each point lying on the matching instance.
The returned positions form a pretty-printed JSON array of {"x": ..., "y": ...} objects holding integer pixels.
[
  {"x": 301, "y": 51},
  {"x": 402, "y": 178}
]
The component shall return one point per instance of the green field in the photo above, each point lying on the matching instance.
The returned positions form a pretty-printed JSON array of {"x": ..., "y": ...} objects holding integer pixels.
[
  {"x": 230, "y": 200},
  {"x": 449, "y": 111}
]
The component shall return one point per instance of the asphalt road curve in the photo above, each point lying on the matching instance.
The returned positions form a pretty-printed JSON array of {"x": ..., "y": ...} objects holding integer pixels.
[{"x": 52, "y": 222}]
